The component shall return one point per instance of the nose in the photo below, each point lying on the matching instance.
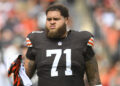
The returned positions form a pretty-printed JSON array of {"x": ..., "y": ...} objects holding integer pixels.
[{"x": 52, "y": 22}]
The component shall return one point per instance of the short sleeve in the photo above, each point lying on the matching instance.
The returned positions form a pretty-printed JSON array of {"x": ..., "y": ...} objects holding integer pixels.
[
  {"x": 90, "y": 41},
  {"x": 28, "y": 42},
  {"x": 89, "y": 54},
  {"x": 89, "y": 51},
  {"x": 30, "y": 54}
]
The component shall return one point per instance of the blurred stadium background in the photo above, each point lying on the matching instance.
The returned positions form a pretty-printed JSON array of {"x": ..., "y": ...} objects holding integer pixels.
[{"x": 100, "y": 17}]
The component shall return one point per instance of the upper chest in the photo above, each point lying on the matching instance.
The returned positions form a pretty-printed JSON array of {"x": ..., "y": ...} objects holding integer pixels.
[{"x": 66, "y": 43}]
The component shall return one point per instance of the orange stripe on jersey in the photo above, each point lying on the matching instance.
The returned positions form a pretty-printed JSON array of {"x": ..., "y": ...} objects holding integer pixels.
[
  {"x": 91, "y": 39},
  {"x": 89, "y": 43},
  {"x": 28, "y": 42}
]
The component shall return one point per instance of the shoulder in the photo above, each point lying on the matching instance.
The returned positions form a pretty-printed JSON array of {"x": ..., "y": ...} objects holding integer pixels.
[
  {"x": 86, "y": 34},
  {"x": 33, "y": 37},
  {"x": 35, "y": 33},
  {"x": 88, "y": 37},
  {"x": 82, "y": 34}
]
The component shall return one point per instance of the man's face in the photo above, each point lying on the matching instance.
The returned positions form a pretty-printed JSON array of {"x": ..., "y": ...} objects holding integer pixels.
[{"x": 55, "y": 24}]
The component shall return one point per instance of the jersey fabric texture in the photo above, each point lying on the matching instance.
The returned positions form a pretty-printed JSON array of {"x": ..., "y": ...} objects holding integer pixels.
[{"x": 60, "y": 62}]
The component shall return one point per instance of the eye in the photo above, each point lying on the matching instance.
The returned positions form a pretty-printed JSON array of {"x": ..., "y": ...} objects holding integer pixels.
[
  {"x": 56, "y": 19},
  {"x": 49, "y": 19}
]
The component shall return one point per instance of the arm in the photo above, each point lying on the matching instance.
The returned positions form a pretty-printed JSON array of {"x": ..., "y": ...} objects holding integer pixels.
[
  {"x": 92, "y": 72},
  {"x": 29, "y": 62},
  {"x": 30, "y": 67}
]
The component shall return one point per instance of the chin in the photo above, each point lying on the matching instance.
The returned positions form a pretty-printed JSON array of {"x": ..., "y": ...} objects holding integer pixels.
[
  {"x": 52, "y": 34},
  {"x": 56, "y": 32}
]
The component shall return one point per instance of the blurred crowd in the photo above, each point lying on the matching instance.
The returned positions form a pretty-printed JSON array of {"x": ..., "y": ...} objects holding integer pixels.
[
  {"x": 106, "y": 18},
  {"x": 20, "y": 17}
]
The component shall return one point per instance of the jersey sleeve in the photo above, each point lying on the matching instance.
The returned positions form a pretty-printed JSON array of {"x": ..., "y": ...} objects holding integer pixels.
[
  {"x": 30, "y": 54},
  {"x": 89, "y": 51}
]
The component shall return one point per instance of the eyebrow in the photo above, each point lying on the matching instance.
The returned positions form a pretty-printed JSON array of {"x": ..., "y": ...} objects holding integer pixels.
[{"x": 53, "y": 18}]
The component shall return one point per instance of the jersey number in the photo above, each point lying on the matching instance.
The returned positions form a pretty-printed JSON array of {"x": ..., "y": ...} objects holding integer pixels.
[{"x": 58, "y": 53}]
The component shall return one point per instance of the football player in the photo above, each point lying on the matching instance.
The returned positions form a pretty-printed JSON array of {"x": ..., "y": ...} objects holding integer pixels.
[{"x": 61, "y": 56}]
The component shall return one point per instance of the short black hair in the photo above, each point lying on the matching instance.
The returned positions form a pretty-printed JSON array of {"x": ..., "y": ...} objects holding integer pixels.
[{"x": 59, "y": 7}]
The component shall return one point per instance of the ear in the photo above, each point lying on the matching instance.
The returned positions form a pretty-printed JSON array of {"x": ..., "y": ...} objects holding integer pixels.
[{"x": 66, "y": 20}]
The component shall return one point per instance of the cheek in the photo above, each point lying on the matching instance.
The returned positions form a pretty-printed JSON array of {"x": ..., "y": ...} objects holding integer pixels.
[
  {"x": 60, "y": 24},
  {"x": 47, "y": 24}
]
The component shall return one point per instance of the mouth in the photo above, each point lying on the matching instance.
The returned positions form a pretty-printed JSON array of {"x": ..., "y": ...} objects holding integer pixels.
[{"x": 52, "y": 27}]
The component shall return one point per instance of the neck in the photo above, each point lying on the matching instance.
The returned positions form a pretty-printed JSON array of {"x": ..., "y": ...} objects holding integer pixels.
[{"x": 64, "y": 35}]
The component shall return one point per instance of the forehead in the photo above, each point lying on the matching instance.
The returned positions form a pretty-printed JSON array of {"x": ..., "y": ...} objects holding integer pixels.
[{"x": 54, "y": 14}]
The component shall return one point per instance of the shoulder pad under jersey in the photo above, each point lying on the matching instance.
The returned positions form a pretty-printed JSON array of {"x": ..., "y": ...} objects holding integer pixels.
[
  {"x": 88, "y": 37},
  {"x": 37, "y": 31},
  {"x": 30, "y": 38},
  {"x": 28, "y": 42}
]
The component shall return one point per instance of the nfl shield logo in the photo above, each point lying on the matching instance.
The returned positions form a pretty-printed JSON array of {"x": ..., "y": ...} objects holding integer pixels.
[{"x": 59, "y": 43}]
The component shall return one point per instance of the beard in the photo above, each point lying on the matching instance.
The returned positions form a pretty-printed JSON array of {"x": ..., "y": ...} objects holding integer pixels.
[{"x": 58, "y": 33}]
